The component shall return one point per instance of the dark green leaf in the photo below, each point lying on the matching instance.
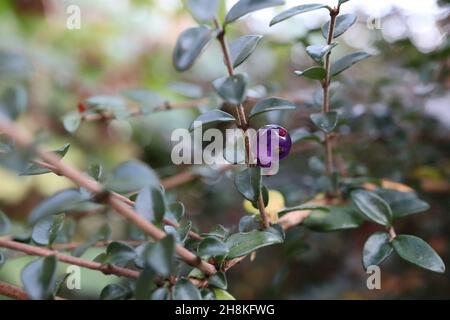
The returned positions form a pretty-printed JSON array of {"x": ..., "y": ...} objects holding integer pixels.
[
  {"x": 376, "y": 249},
  {"x": 150, "y": 204},
  {"x": 373, "y": 207},
  {"x": 160, "y": 255},
  {"x": 219, "y": 280},
  {"x": 317, "y": 52},
  {"x": 303, "y": 134},
  {"x": 325, "y": 122},
  {"x": 115, "y": 292},
  {"x": 185, "y": 290},
  {"x": 403, "y": 203},
  {"x": 241, "y": 244},
  {"x": 212, "y": 247},
  {"x": 14, "y": 102},
  {"x": 132, "y": 176},
  {"x": 418, "y": 252},
  {"x": 242, "y": 48},
  {"x": 210, "y": 118},
  {"x": 248, "y": 183},
  {"x": 190, "y": 45},
  {"x": 207, "y": 294},
  {"x": 304, "y": 207},
  {"x": 271, "y": 104},
  {"x": 39, "y": 278},
  {"x": 347, "y": 61},
  {"x": 145, "y": 284},
  {"x": 218, "y": 231},
  {"x": 72, "y": 121},
  {"x": 175, "y": 211},
  {"x": 232, "y": 89},
  {"x": 243, "y": 7},
  {"x": 315, "y": 73},
  {"x": 5, "y": 224},
  {"x": 103, "y": 234},
  {"x": 249, "y": 223},
  {"x": 35, "y": 169},
  {"x": 338, "y": 218},
  {"x": 204, "y": 10},
  {"x": 343, "y": 23},
  {"x": 46, "y": 230},
  {"x": 160, "y": 294},
  {"x": 96, "y": 171},
  {"x": 62, "y": 201},
  {"x": 295, "y": 11},
  {"x": 119, "y": 253}
]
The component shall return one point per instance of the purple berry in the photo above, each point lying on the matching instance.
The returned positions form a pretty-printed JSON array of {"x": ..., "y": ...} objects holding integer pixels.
[{"x": 266, "y": 155}]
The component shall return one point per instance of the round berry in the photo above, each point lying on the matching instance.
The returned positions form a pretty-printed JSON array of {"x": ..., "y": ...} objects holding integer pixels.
[{"x": 266, "y": 154}]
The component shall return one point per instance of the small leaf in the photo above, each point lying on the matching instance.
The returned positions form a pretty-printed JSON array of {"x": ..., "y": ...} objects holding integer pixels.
[
  {"x": 175, "y": 211},
  {"x": 115, "y": 292},
  {"x": 403, "y": 203},
  {"x": 347, "y": 61},
  {"x": 325, "y": 122},
  {"x": 373, "y": 207},
  {"x": 418, "y": 252},
  {"x": 304, "y": 207},
  {"x": 145, "y": 284},
  {"x": 150, "y": 204},
  {"x": 376, "y": 249},
  {"x": 338, "y": 218},
  {"x": 72, "y": 121},
  {"x": 39, "y": 278},
  {"x": 35, "y": 169},
  {"x": 190, "y": 45},
  {"x": 218, "y": 231},
  {"x": 103, "y": 234},
  {"x": 248, "y": 183},
  {"x": 295, "y": 11},
  {"x": 303, "y": 134},
  {"x": 46, "y": 230},
  {"x": 271, "y": 104},
  {"x": 203, "y": 10},
  {"x": 317, "y": 52},
  {"x": 343, "y": 23},
  {"x": 232, "y": 89},
  {"x": 185, "y": 290},
  {"x": 96, "y": 171},
  {"x": 241, "y": 244},
  {"x": 159, "y": 256},
  {"x": 131, "y": 176},
  {"x": 212, "y": 247},
  {"x": 14, "y": 101},
  {"x": 242, "y": 48},
  {"x": 315, "y": 73},
  {"x": 218, "y": 280},
  {"x": 62, "y": 201},
  {"x": 223, "y": 295},
  {"x": 243, "y": 7},
  {"x": 249, "y": 223},
  {"x": 210, "y": 118},
  {"x": 5, "y": 224},
  {"x": 119, "y": 253},
  {"x": 160, "y": 294}
]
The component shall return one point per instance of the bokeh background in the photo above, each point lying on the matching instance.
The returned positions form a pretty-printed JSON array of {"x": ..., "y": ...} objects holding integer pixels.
[{"x": 396, "y": 104}]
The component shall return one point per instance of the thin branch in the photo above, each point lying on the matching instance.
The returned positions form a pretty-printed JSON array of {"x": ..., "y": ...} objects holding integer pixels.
[
  {"x": 13, "y": 292},
  {"x": 43, "y": 252},
  {"x": 82, "y": 180}
]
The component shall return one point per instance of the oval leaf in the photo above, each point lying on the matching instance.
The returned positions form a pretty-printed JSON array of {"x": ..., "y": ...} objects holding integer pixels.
[
  {"x": 159, "y": 256},
  {"x": 131, "y": 176},
  {"x": 403, "y": 203},
  {"x": 373, "y": 207},
  {"x": 248, "y": 183},
  {"x": 325, "y": 122},
  {"x": 317, "y": 52},
  {"x": 315, "y": 73},
  {"x": 242, "y": 48},
  {"x": 376, "y": 249},
  {"x": 347, "y": 61},
  {"x": 35, "y": 169},
  {"x": 243, "y": 7},
  {"x": 232, "y": 89},
  {"x": 336, "y": 219},
  {"x": 271, "y": 104},
  {"x": 39, "y": 278},
  {"x": 343, "y": 23},
  {"x": 212, "y": 247},
  {"x": 241, "y": 244},
  {"x": 203, "y": 10},
  {"x": 210, "y": 118},
  {"x": 115, "y": 292},
  {"x": 119, "y": 253},
  {"x": 185, "y": 290},
  {"x": 418, "y": 252},
  {"x": 46, "y": 230},
  {"x": 303, "y": 207},
  {"x": 295, "y": 11},
  {"x": 190, "y": 45}
]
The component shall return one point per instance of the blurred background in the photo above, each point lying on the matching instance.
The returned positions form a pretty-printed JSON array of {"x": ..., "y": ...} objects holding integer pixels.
[{"x": 397, "y": 106}]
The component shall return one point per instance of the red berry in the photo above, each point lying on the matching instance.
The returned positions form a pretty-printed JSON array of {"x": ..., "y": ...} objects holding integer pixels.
[{"x": 81, "y": 107}]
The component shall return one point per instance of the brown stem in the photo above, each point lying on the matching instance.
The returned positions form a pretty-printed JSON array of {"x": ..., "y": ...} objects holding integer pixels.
[
  {"x": 392, "y": 233},
  {"x": 13, "y": 292},
  {"x": 243, "y": 123},
  {"x": 326, "y": 93},
  {"x": 24, "y": 140},
  {"x": 43, "y": 252}
]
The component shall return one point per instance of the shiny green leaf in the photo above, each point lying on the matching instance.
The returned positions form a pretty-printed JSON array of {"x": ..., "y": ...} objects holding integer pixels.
[
  {"x": 242, "y": 48},
  {"x": 347, "y": 61},
  {"x": 295, "y": 11},
  {"x": 373, "y": 207},
  {"x": 39, "y": 278},
  {"x": 271, "y": 104},
  {"x": 210, "y": 118},
  {"x": 376, "y": 249},
  {"x": 325, "y": 122},
  {"x": 232, "y": 89},
  {"x": 243, "y": 7},
  {"x": 343, "y": 23},
  {"x": 241, "y": 244},
  {"x": 190, "y": 45}
]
